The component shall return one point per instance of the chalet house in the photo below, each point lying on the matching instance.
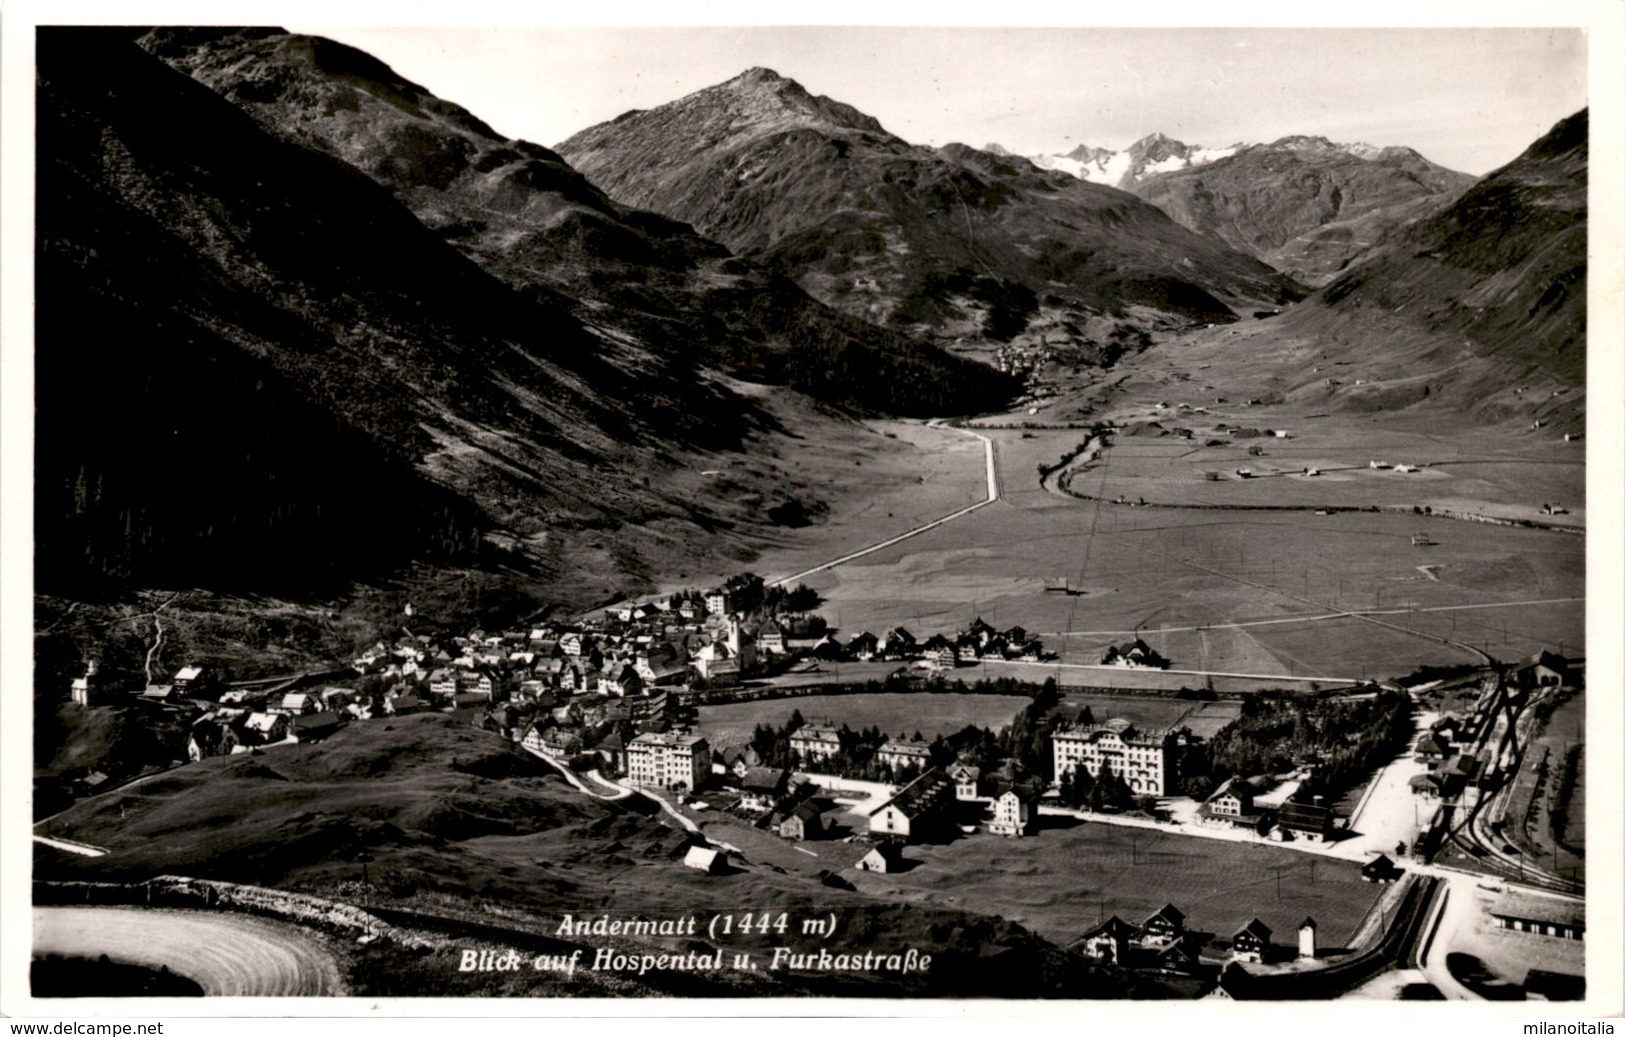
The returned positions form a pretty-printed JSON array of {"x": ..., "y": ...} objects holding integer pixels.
[
  {"x": 265, "y": 728},
  {"x": 1542, "y": 668},
  {"x": 668, "y": 761},
  {"x": 940, "y": 653},
  {"x": 967, "y": 648},
  {"x": 1012, "y": 813},
  {"x": 916, "y": 809},
  {"x": 1545, "y": 916},
  {"x": 813, "y": 743},
  {"x": 1306, "y": 821},
  {"x": 1231, "y": 804},
  {"x": 761, "y": 787},
  {"x": 193, "y": 680},
  {"x": 561, "y": 741},
  {"x": 901, "y": 754},
  {"x": 405, "y": 705},
  {"x": 1144, "y": 759},
  {"x": 1135, "y": 654},
  {"x": 212, "y": 736},
  {"x": 770, "y": 639},
  {"x": 1182, "y": 957},
  {"x": 299, "y": 702},
  {"x": 1251, "y": 943},
  {"x": 661, "y": 668},
  {"x": 1380, "y": 869},
  {"x": 313, "y": 727},
  {"x": 829, "y": 649},
  {"x": 897, "y": 644},
  {"x": 966, "y": 779},
  {"x": 443, "y": 684},
  {"x": 622, "y": 680},
  {"x": 1165, "y": 927},
  {"x": 863, "y": 647},
  {"x": 576, "y": 645},
  {"x": 805, "y": 822},
  {"x": 161, "y": 694},
  {"x": 530, "y": 736},
  {"x": 884, "y": 858},
  {"x": 1110, "y": 942}
]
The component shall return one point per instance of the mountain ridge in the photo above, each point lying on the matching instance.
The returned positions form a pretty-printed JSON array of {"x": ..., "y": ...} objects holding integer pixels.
[{"x": 877, "y": 227}]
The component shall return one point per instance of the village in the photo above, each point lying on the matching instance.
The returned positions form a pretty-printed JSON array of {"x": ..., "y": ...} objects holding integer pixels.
[{"x": 610, "y": 701}]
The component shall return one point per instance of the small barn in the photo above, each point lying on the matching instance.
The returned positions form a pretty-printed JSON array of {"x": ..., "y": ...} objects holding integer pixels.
[
  {"x": 887, "y": 857},
  {"x": 705, "y": 858}
]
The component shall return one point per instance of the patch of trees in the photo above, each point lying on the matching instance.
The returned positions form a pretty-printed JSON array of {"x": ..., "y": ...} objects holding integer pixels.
[{"x": 1344, "y": 739}]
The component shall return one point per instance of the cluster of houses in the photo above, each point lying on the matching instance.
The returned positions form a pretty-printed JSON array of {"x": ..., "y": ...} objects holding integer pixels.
[
  {"x": 976, "y": 643},
  {"x": 1162, "y": 943},
  {"x": 1262, "y": 805},
  {"x": 1451, "y": 768}
]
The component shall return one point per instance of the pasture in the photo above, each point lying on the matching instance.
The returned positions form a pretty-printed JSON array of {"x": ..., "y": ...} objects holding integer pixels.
[
  {"x": 1064, "y": 880},
  {"x": 930, "y": 713}
]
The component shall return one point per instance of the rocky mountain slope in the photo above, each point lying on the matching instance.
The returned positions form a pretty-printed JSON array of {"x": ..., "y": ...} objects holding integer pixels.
[
  {"x": 1147, "y": 157},
  {"x": 257, "y": 371},
  {"x": 525, "y": 216},
  {"x": 950, "y": 240},
  {"x": 1304, "y": 205},
  {"x": 1480, "y": 306}
]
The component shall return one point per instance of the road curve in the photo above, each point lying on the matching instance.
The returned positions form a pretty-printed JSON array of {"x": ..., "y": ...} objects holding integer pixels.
[{"x": 228, "y": 955}]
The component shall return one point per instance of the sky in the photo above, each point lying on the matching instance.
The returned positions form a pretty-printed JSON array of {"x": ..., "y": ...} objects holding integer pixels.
[{"x": 1468, "y": 99}]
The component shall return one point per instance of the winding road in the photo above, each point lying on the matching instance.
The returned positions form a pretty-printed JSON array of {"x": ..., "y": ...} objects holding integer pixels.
[{"x": 228, "y": 955}]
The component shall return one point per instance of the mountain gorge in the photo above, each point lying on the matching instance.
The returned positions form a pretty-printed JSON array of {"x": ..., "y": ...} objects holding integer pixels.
[{"x": 951, "y": 241}]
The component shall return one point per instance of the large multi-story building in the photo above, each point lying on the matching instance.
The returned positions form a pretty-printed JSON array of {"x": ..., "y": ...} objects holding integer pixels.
[
  {"x": 815, "y": 742},
  {"x": 900, "y": 754},
  {"x": 668, "y": 761},
  {"x": 1145, "y": 759}
]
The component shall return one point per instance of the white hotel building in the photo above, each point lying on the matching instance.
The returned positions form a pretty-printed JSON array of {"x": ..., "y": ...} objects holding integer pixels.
[
  {"x": 668, "y": 761},
  {"x": 1144, "y": 759}
]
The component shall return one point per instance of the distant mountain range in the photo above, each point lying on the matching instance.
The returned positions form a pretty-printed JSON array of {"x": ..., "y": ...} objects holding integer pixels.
[
  {"x": 1480, "y": 303},
  {"x": 1304, "y": 205},
  {"x": 948, "y": 239},
  {"x": 1146, "y": 157},
  {"x": 340, "y": 326}
]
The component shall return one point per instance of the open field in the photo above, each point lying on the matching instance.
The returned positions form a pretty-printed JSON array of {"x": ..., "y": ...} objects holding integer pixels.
[
  {"x": 1238, "y": 574},
  {"x": 1064, "y": 880},
  {"x": 1149, "y": 712},
  {"x": 930, "y": 713}
]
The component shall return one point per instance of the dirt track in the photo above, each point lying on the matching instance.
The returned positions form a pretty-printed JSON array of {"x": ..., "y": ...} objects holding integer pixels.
[{"x": 229, "y": 955}]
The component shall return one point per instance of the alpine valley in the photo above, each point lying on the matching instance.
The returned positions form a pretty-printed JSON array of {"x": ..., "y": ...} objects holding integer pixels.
[{"x": 432, "y": 529}]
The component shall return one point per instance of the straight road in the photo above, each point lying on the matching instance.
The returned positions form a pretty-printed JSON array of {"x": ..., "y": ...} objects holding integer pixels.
[{"x": 992, "y": 495}]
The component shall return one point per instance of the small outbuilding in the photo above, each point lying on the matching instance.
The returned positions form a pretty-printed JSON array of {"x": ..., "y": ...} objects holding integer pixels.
[{"x": 705, "y": 858}]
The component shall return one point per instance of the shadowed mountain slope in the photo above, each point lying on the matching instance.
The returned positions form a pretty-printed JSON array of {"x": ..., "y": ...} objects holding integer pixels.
[
  {"x": 525, "y": 216},
  {"x": 904, "y": 235}
]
